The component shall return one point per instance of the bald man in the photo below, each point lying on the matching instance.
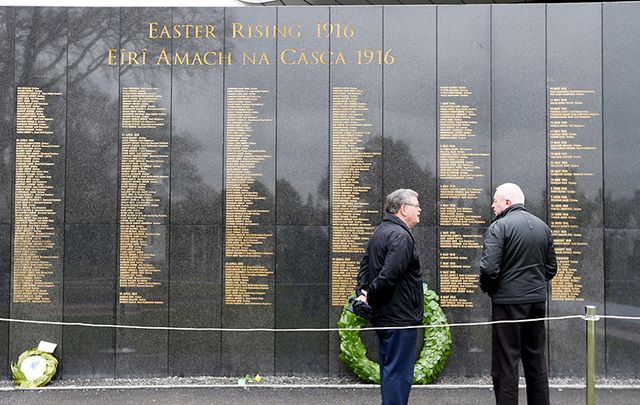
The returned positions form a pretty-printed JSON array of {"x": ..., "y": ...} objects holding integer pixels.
[{"x": 518, "y": 260}]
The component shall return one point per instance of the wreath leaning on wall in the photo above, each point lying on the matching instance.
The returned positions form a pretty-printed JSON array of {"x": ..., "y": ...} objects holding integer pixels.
[{"x": 434, "y": 353}]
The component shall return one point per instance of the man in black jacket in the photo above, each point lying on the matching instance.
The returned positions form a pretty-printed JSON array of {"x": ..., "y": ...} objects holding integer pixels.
[
  {"x": 517, "y": 262},
  {"x": 390, "y": 281}
]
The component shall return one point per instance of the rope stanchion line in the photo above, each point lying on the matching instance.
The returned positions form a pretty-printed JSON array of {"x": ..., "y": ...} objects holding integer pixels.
[{"x": 211, "y": 329}]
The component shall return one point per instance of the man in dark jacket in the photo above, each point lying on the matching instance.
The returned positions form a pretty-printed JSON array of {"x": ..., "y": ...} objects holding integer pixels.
[
  {"x": 390, "y": 281},
  {"x": 517, "y": 262}
]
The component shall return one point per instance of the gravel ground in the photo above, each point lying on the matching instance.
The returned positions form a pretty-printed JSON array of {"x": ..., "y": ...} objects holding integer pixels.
[{"x": 293, "y": 380}]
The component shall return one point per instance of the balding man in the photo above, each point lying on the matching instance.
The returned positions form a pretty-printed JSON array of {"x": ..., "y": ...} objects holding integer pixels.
[{"x": 517, "y": 262}]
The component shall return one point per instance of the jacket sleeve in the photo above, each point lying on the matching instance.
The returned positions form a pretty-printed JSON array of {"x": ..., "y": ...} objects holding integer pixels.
[
  {"x": 551, "y": 267},
  {"x": 491, "y": 258},
  {"x": 363, "y": 273},
  {"x": 396, "y": 262}
]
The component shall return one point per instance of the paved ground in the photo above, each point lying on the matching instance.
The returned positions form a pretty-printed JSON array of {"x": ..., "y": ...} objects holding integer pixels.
[{"x": 263, "y": 395}]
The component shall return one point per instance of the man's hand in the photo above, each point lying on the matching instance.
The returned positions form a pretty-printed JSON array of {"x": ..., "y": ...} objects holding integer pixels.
[{"x": 363, "y": 297}]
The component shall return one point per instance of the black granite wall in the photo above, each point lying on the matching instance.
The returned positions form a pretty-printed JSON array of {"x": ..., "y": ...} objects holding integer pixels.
[{"x": 448, "y": 100}]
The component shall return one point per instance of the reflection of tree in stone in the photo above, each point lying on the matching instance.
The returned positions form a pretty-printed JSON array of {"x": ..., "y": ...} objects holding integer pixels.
[
  {"x": 191, "y": 196},
  {"x": 43, "y": 35},
  {"x": 622, "y": 212},
  {"x": 292, "y": 210},
  {"x": 7, "y": 108},
  {"x": 622, "y": 279},
  {"x": 7, "y": 62},
  {"x": 88, "y": 129},
  {"x": 402, "y": 171}
]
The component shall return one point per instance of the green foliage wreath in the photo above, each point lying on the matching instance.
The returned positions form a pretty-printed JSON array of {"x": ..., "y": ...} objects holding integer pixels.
[
  {"x": 434, "y": 353},
  {"x": 50, "y": 369}
]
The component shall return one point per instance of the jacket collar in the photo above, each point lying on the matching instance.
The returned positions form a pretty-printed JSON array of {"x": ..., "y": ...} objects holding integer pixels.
[
  {"x": 392, "y": 218},
  {"x": 514, "y": 207}
]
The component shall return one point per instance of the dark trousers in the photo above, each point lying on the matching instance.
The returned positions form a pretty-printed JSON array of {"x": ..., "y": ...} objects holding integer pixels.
[
  {"x": 397, "y": 349},
  {"x": 510, "y": 342}
]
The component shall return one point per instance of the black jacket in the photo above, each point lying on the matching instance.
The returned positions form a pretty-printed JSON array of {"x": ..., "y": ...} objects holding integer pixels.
[
  {"x": 518, "y": 258},
  {"x": 390, "y": 273}
]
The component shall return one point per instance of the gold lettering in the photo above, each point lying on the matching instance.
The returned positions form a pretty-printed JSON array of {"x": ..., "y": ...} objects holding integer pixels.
[
  {"x": 153, "y": 30},
  {"x": 181, "y": 61},
  {"x": 283, "y": 60},
  {"x": 248, "y": 58},
  {"x": 213, "y": 55},
  {"x": 163, "y": 56},
  {"x": 210, "y": 30},
  {"x": 176, "y": 32},
  {"x": 236, "y": 30},
  {"x": 111, "y": 59},
  {"x": 164, "y": 33},
  {"x": 265, "y": 30},
  {"x": 187, "y": 27},
  {"x": 197, "y": 59},
  {"x": 264, "y": 59}
]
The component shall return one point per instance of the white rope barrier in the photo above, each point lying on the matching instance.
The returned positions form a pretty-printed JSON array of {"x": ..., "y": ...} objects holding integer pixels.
[
  {"x": 628, "y": 318},
  {"x": 202, "y": 329}
]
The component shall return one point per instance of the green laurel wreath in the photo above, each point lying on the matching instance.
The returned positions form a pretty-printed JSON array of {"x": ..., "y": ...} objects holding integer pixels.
[
  {"x": 434, "y": 353},
  {"x": 21, "y": 380}
]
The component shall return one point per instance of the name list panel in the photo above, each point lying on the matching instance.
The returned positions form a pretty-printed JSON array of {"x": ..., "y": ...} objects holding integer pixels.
[
  {"x": 248, "y": 278},
  {"x": 37, "y": 201},
  {"x": 463, "y": 181},
  {"x": 571, "y": 157},
  {"x": 144, "y": 165},
  {"x": 352, "y": 217}
]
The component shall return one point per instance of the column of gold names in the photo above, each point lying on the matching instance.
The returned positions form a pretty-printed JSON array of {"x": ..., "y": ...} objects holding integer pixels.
[
  {"x": 350, "y": 213},
  {"x": 461, "y": 179},
  {"x": 246, "y": 277},
  {"x": 567, "y": 158},
  {"x": 36, "y": 199},
  {"x": 143, "y": 164}
]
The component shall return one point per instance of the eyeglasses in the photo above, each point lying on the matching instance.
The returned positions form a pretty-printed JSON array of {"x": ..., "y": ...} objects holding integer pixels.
[{"x": 413, "y": 205}]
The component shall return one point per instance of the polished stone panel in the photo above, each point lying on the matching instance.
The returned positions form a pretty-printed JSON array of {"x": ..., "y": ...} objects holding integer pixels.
[
  {"x": 90, "y": 280},
  {"x": 195, "y": 299},
  {"x": 574, "y": 85},
  {"x": 464, "y": 102},
  {"x": 464, "y": 173},
  {"x": 7, "y": 113},
  {"x": 574, "y": 61},
  {"x": 302, "y": 146},
  {"x": 302, "y": 296},
  {"x": 92, "y": 118},
  {"x": 566, "y": 336},
  {"x": 410, "y": 108},
  {"x": 5, "y": 297},
  {"x": 367, "y": 26},
  {"x": 145, "y": 351},
  {"x": 426, "y": 238},
  {"x": 622, "y": 255},
  {"x": 361, "y": 85},
  {"x": 518, "y": 99},
  {"x": 41, "y": 61},
  {"x": 251, "y": 70},
  {"x": 621, "y": 93},
  {"x": 471, "y": 346},
  {"x": 197, "y": 108},
  {"x": 7, "y": 147},
  {"x": 242, "y": 352},
  {"x": 253, "y": 73}
]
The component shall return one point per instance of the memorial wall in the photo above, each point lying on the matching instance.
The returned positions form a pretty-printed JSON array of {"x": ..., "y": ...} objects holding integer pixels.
[{"x": 223, "y": 168}]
